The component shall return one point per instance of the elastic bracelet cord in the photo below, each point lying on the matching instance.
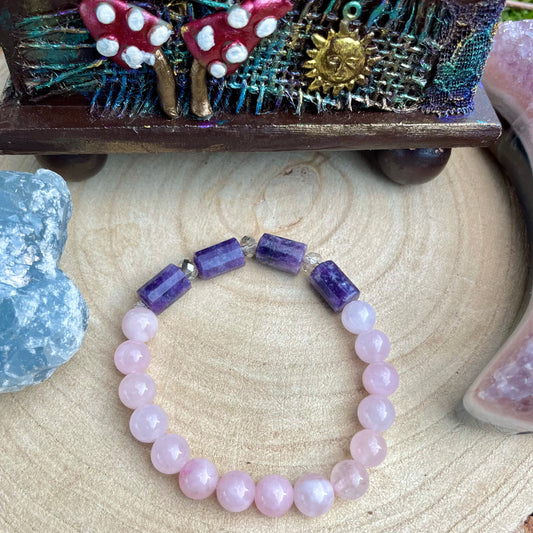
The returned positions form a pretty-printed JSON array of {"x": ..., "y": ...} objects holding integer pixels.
[{"x": 274, "y": 495}]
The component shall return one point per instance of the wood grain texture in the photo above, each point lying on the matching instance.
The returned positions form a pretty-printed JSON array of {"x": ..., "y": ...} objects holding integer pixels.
[
  {"x": 53, "y": 127},
  {"x": 255, "y": 371}
]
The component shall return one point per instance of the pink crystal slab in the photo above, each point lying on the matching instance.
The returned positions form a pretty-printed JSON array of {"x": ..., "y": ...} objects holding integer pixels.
[
  {"x": 508, "y": 78},
  {"x": 503, "y": 393}
]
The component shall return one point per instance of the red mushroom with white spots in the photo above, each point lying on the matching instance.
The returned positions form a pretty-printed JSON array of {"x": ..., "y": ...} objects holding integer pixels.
[
  {"x": 131, "y": 36},
  {"x": 220, "y": 43},
  {"x": 125, "y": 33}
]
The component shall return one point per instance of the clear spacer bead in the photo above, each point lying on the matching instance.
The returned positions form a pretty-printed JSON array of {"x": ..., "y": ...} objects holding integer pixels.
[
  {"x": 189, "y": 269},
  {"x": 311, "y": 260},
  {"x": 248, "y": 245},
  {"x": 140, "y": 303}
]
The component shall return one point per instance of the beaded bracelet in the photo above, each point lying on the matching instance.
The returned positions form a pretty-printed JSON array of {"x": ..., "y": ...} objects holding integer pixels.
[{"x": 312, "y": 494}]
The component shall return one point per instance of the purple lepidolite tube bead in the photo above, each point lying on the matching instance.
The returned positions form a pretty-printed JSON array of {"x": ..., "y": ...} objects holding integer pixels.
[
  {"x": 164, "y": 288},
  {"x": 219, "y": 258},
  {"x": 280, "y": 253},
  {"x": 333, "y": 285}
]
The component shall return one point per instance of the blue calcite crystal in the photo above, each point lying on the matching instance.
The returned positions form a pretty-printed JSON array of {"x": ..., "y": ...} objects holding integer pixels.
[
  {"x": 164, "y": 289},
  {"x": 280, "y": 253},
  {"x": 43, "y": 316},
  {"x": 333, "y": 285}
]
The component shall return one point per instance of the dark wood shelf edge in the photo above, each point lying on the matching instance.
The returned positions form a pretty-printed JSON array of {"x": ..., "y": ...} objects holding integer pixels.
[{"x": 56, "y": 129}]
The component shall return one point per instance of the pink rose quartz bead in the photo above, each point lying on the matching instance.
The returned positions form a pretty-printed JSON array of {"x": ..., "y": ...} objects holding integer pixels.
[
  {"x": 139, "y": 324},
  {"x": 358, "y": 316},
  {"x": 169, "y": 453},
  {"x": 368, "y": 447},
  {"x": 274, "y": 495},
  {"x": 376, "y": 412},
  {"x": 198, "y": 478},
  {"x": 148, "y": 423},
  {"x": 372, "y": 346},
  {"x": 132, "y": 356},
  {"x": 313, "y": 495},
  {"x": 136, "y": 390},
  {"x": 349, "y": 479},
  {"x": 235, "y": 491},
  {"x": 380, "y": 378}
]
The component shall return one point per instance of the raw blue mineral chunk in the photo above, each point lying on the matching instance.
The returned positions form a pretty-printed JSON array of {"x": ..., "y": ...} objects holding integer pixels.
[
  {"x": 219, "y": 259},
  {"x": 164, "y": 289},
  {"x": 43, "y": 316},
  {"x": 333, "y": 285},
  {"x": 280, "y": 253}
]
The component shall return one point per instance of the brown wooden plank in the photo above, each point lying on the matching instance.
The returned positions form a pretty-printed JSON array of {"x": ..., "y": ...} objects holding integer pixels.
[{"x": 63, "y": 128}]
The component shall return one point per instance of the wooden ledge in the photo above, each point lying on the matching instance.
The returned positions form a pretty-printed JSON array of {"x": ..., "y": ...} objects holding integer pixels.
[{"x": 64, "y": 128}]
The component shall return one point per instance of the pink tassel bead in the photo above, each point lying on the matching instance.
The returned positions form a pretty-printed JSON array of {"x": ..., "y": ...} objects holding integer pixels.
[
  {"x": 368, "y": 447},
  {"x": 169, "y": 453},
  {"x": 376, "y": 412},
  {"x": 313, "y": 495},
  {"x": 139, "y": 324},
  {"x": 349, "y": 479},
  {"x": 132, "y": 356},
  {"x": 372, "y": 346},
  {"x": 198, "y": 478},
  {"x": 358, "y": 316},
  {"x": 235, "y": 491},
  {"x": 148, "y": 423},
  {"x": 136, "y": 390},
  {"x": 381, "y": 379},
  {"x": 274, "y": 495}
]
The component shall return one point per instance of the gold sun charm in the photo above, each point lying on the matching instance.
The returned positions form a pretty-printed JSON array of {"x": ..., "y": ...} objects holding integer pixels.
[{"x": 343, "y": 60}]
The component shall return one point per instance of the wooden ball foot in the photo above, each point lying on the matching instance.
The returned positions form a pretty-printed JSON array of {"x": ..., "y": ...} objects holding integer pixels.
[
  {"x": 74, "y": 167},
  {"x": 411, "y": 166}
]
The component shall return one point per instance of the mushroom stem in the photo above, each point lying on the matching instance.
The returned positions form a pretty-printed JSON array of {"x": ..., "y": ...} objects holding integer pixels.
[
  {"x": 166, "y": 86},
  {"x": 200, "y": 105}
]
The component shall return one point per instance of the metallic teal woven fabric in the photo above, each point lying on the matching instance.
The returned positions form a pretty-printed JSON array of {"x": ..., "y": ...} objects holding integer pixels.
[{"x": 432, "y": 57}]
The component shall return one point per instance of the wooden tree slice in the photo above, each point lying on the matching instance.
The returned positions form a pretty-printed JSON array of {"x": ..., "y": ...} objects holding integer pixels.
[{"x": 255, "y": 371}]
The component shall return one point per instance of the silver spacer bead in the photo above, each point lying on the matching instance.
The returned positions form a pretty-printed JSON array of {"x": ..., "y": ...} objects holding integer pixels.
[
  {"x": 189, "y": 269},
  {"x": 310, "y": 262},
  {"x": 248, "y": 245}
]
